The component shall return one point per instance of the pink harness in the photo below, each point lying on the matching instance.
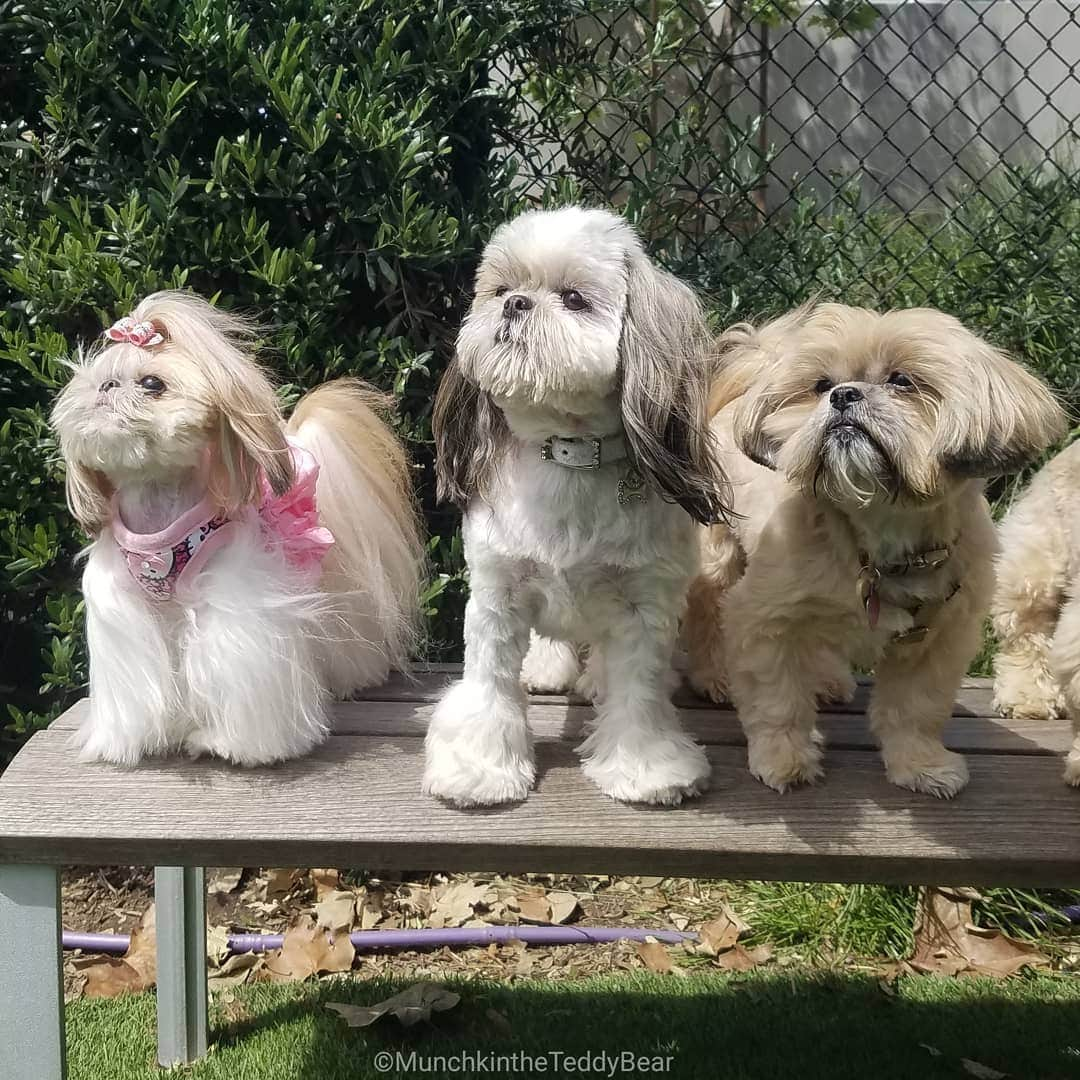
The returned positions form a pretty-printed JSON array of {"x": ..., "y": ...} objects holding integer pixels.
[{"x": 164, "y": 564}]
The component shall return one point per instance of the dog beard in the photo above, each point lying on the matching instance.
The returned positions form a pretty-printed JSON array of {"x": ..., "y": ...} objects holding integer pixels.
[
  {"x": 532, "y": 359},
  {"x": 853, "y": 465}
]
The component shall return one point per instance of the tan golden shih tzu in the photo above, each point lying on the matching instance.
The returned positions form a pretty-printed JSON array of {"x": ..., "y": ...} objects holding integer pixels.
[
  {"x": 857, "y": 447},
  {"x": 1036, "y": 608},
  {"x": 244, "y": 568}
]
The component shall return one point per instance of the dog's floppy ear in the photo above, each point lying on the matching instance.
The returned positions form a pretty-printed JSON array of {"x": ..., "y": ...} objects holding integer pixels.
[
  {"x": 748, "y": 356},
  {"x": 251, "y": 437},
  {"x": 666, "y": 365},
  {"x": 88, "y": 495},
  {"x": 742, "y": 360},
  {"x": 251, "y": 433},
  {"x": 748, "y": 427},
  {"x": 1002, "y": 416},
  {"x": 470, "y": 434}
]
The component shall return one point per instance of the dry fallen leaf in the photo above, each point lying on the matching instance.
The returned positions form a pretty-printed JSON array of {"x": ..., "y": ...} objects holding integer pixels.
[
  {"x": 281, "y": 881},
  {"x": 235, "y": 969},
  {"x": 563, "y": 906},
  {"x": 369, "y": 909},
  {"x": 223, "y": 879},
  {"x": 654, "y": 955},
  {"x": 413, "y": 1004},
  {"x": 417, "y": 899},
  {"x": 74, "y": 980},
  {"x": 108, "y": 976},
  {"x": 722, "y": 932},
  {"x": 335, "y": 913},
  {"x": 325, "y": 881},
  {"x": 983, "y": 1072},
  {"x": 525, "y": 959},
  {"x": 217, "y": 946},
  {"x": 534, "y": 908},
  {"x": 307, "y": 950},
  {"x": 456, "y": 904},
  {"x": 739, "y": 958},
  {"x": 947, "y": 942}
]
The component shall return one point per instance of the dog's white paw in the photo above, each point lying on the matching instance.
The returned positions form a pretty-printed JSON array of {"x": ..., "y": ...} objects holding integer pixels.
[
  {"x": 1028, "y": 699},
  {"x": 662, "y": 771},
  {"x": 932, "y": 770},
  {"x": 1072, "y": 767},
  {"x": 457, "y": 774},
  {"x": 550, "y": 667},
  {"x": 98, "y": 740},
  {"x": 252, "y": 753},
  {"x": 477, "y": 749},
  {"x": 785, "y": 759}
]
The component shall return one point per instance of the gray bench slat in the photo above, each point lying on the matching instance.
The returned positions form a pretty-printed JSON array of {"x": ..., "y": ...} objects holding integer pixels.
[
  {"x": 847, "y": 731},
  {"x": 551, "y": 719},
  {"x": 428, "y": 682},
  {"x": 355, "y": 802}
]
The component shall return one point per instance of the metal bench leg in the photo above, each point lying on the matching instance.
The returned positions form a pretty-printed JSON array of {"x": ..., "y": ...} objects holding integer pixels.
[
  {"x": 180, "y": 897},
  {"x": 31, "y": 974}
]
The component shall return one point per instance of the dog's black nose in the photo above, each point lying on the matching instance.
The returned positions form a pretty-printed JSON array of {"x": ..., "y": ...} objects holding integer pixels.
[
  {"x": 107, "y": 385},
  {"x": 843, "y": 397},
  {"x": 514, "y": 305}
]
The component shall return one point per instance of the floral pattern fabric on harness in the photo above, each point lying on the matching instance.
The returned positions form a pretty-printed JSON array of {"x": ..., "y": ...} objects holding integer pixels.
[{"x": 163, "y": 564}]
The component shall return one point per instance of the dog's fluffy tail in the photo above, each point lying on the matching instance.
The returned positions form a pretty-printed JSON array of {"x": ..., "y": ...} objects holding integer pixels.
[{"x": 366, "y": 500}]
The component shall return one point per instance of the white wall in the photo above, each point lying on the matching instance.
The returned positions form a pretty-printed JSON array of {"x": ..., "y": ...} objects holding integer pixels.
[{"x": 898, "y": 102}]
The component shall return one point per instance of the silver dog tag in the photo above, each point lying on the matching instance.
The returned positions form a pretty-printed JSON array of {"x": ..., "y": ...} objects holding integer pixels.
[{"x": 632, "y": 488}]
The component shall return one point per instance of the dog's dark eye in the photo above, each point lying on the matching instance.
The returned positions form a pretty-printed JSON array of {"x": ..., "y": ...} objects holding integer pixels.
[
  {"x": 152, "y": 385},
  {"x": 823, "y": 386},
  {"x": 900, "y": 381},
  {"x": 502, "y": 290},
  {"x": 574, "y": 301}
]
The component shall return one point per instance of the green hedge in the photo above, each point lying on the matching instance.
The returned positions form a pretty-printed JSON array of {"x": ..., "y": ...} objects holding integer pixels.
[{"x": 325, "y": 165}]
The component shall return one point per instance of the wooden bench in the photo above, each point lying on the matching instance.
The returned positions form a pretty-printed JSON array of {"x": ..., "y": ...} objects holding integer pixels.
[{"x": 356, "y": 802}]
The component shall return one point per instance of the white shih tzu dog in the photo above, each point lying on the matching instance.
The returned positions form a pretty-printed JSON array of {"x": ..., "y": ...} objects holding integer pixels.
[
  {"x": 1036, "y": 608},
  {"x": 571, "y": 429},
  {"x": 861, "y": 533},
  {"x": 243, "y": 569}
]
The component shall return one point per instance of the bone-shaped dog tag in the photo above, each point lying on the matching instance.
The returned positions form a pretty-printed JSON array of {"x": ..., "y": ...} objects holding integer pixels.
[{"x": 632, "y": 488}]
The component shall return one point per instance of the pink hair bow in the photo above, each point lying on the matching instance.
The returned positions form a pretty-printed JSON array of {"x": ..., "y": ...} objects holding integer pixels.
[{"x": 141, "y": 334}]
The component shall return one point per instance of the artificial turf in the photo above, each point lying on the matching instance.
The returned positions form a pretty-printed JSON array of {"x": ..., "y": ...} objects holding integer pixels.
[{"x": 767, "y": 1024}]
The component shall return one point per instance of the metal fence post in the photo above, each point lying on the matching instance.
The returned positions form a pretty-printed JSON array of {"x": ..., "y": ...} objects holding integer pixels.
[
  {"x": 180, "y": 896},
  {"x": 32, "y": 1045}
]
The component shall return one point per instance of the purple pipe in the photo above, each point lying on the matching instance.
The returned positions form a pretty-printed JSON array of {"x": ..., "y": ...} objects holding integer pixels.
[
  {"x": 117, "y": 943},
  {"x": 426, "y": 938}
]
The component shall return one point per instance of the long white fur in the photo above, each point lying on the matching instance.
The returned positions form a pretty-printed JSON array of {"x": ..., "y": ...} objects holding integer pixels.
[
  {"x": 550, "y": 550},
  {"x": 245, "y": 668}
]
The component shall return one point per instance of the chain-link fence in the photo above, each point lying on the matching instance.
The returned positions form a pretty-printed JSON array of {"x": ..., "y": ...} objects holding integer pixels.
[{"x": 769, "y": 149}]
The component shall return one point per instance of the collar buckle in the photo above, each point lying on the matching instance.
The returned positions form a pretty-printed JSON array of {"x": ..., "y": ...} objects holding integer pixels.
[{"x": 562, "y": 454}]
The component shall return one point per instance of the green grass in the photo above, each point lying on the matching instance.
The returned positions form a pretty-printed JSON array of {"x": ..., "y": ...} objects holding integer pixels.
[
  {"x": 770, "y": 1024},
  {"x": 824, "y": 921}
]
